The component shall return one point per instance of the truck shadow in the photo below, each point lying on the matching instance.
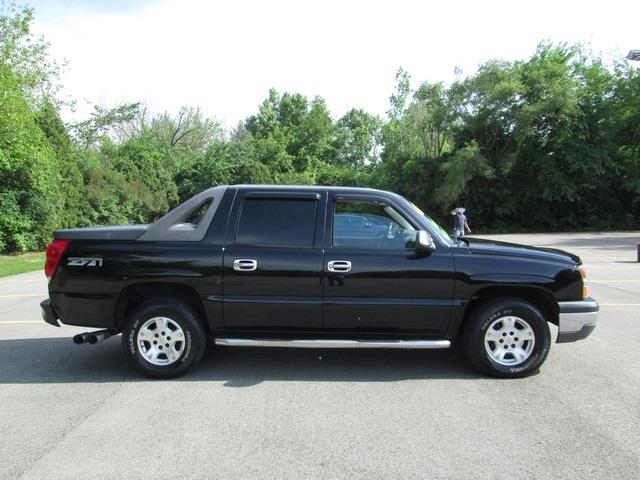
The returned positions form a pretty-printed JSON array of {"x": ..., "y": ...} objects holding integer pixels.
[{"x": 57, "y": 360}]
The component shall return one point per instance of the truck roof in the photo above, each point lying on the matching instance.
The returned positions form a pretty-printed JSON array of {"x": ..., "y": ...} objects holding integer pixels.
[
  {"x": 310, "y": 187},
  {"x": 175, "y": 225}
]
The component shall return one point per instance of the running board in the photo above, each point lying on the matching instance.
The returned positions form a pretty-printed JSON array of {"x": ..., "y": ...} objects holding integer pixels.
[{"x": 328, "y": 343}]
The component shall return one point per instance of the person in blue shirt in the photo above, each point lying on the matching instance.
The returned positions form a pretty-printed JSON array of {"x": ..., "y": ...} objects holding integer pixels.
[{"x": 460, "y": 222}]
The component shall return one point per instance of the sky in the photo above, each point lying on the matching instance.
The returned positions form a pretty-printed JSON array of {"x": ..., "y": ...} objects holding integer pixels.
[{"x": 223, "y": 56}]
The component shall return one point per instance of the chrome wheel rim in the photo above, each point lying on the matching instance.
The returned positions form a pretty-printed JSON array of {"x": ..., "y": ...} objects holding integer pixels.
[
  {"x": 160, "y": 341},
  {"x": 509, "y": 341}
]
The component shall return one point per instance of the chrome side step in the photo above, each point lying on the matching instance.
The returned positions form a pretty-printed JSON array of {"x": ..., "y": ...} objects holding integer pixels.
[{"x": 328, "y": 343}]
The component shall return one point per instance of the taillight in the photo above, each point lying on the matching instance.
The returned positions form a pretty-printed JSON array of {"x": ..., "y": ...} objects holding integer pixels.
[{"x": 55, "y": 250}]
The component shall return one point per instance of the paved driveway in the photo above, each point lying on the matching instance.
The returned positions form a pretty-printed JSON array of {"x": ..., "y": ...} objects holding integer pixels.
[{"x": 70, "y": 411}]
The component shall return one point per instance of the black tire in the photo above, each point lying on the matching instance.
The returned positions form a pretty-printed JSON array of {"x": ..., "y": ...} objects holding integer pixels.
[
  {"x": 191, "y": 350},
  {"x": 490, "y": 314}
]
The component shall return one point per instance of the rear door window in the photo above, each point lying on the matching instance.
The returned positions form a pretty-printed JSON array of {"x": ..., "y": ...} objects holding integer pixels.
[{"x": 277, "y": 222}]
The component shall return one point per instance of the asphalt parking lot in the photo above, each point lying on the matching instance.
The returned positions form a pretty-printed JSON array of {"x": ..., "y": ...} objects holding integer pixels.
[{"x": 70, "y": 411}]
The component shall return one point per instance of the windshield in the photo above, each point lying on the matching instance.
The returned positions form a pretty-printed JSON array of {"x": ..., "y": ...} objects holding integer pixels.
[{"x": 437, "y": 229}]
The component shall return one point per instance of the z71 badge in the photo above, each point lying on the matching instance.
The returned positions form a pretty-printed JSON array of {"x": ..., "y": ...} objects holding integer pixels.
[{"x": 84, "y": 262}]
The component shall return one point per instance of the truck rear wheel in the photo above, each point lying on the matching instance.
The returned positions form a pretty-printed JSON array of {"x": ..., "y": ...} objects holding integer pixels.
[
  {"x": 163, "y": 339},
  {"x": 507, "y": 338}
]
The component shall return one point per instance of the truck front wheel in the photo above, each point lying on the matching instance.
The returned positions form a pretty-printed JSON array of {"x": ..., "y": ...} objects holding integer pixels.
[
  {"x": 507, "y": 338},
  {"x": 163, "y": 339}
]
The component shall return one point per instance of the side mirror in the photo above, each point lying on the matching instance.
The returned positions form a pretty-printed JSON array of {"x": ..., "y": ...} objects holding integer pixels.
[{"x": 424, "y": 242}]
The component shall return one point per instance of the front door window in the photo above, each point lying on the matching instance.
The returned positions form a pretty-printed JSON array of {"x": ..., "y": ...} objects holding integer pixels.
[{"x": 368, "y": 224}]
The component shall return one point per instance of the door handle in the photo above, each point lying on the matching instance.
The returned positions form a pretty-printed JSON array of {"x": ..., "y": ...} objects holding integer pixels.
[
  {"x": 245, "y": 264},
  {"x": 340, "y": 266}
]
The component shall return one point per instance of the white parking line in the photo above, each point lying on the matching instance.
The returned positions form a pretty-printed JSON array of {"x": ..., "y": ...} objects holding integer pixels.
[
  {"x": 20, "y": 322},
  {"x": 620, "y": 304},
  {"x": 612, "y": 281},
  {"x": 14, "y": 295},
  {"x": 9, "y": 280}
]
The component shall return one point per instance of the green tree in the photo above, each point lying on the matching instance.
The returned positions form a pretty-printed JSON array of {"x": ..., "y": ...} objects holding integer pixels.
[
  {"x": 292, "y": 134},
  {"x": 357, "y": 137},
  {"x": 71, "y": 184},
  {"x": 30, "y": 197},
  {"x": 417, "y": 139},
  {"x": 26, "y": 56},
  {"x": 111, "y": 198},
  {"x": 625, "y": 142},
  {"x": 488, "y": 110},
  {"x": 106, "y": 124},
  {"x": 31, "y": 200},
  {"x": 143, "y": 164}
]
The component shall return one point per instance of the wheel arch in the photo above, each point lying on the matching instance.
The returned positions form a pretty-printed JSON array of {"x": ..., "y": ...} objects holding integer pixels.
[
  {"x": 138, "y": 293},
  {"x": 539, "y": 297}
]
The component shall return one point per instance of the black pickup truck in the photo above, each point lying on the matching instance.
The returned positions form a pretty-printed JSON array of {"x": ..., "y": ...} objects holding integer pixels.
[{"x": 311, "y": 267}]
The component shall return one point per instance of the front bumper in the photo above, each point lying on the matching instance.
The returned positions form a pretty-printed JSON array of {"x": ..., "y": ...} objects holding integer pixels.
[
  {"x": 577, "y": 319},
  {"x": 49, "y": 315}
]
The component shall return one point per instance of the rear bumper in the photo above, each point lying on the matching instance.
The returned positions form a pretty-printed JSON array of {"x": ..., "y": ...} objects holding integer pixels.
[
  {"x": 577, "y": 319},
  {"x": 95, "y": 311},
  {"x": 49, "y": 315}
]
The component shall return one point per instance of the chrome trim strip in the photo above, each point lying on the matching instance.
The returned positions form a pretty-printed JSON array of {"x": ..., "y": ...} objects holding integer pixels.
[
  {"x": 329, "y": 343},
  {"x": 338, "y": 301},
  {"x": 421, "y": 302}
]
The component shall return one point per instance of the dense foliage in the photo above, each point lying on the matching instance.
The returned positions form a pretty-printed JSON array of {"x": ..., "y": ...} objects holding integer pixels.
[{"x": 547, "y": 143}]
